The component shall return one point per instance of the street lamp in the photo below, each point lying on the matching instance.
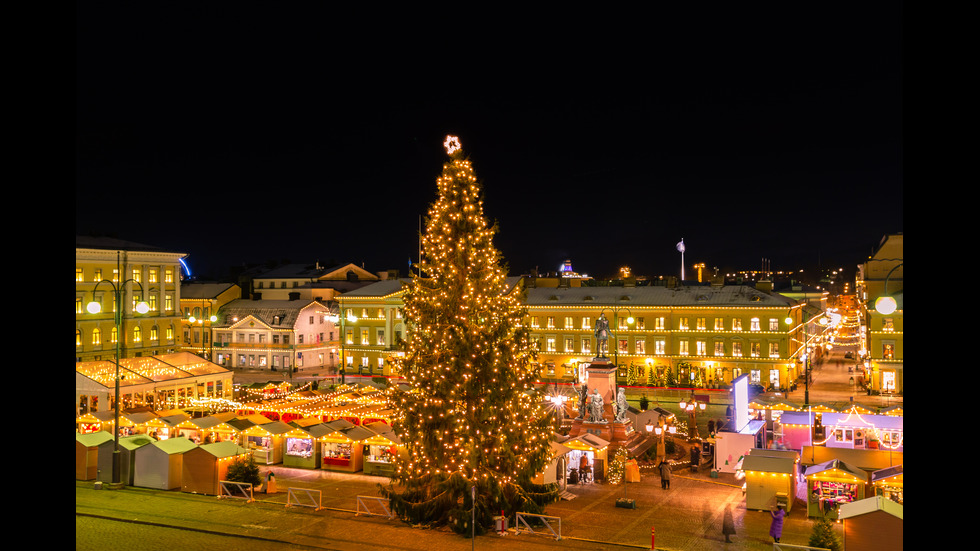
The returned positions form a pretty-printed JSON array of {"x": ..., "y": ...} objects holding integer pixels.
[
  {"x": 207, "y": 354},
  {"x": 886, "y": 304},
  {"x": 95, "y": 307}
]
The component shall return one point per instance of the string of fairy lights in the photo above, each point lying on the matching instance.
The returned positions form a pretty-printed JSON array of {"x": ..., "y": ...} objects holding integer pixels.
[{"x": 468, "y": 363}]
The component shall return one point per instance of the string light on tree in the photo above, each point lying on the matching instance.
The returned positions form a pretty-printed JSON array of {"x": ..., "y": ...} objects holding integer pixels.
[{"x": 468, "y": 418}]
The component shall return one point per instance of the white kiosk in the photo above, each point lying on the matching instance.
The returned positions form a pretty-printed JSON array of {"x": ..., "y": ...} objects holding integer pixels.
[{"x": 743, "y": 434}]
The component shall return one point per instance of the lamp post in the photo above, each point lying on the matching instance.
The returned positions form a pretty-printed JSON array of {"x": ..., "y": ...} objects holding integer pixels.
[
  {"x": 206, "y": 352},
  {"x": 95, "y": 307},
  {"x": 692, "y": 407}
]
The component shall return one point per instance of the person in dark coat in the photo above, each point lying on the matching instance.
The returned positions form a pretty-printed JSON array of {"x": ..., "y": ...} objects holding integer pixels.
[
  {"x": 776, "y": 528},
  {"x": 728, "y": 524},
  {"x": 664, "y": 475}
]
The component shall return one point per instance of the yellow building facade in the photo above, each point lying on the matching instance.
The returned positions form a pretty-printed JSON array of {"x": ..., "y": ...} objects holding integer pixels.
[
  {"x": 883, "y": 324},
  {"x": 107, "y": 268},
  {"x": 371, "y": 326},
  {"x": 698, "y": 336}
]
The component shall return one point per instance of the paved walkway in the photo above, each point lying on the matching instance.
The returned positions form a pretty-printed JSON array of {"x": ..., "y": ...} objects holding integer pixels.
[{"x": 687, "y": 517}]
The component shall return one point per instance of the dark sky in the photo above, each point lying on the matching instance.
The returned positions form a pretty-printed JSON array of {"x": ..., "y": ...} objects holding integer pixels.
[{"x": 248, "y": 134}]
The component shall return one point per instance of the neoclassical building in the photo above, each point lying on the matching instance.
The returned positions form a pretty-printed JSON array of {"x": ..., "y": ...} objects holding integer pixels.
[
  {"x": 688, "y": 335},
  {"x": 107, "y": 268}
]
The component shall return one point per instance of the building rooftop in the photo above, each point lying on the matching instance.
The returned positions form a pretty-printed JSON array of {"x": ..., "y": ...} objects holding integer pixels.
[{"x": 656, "y": 296}]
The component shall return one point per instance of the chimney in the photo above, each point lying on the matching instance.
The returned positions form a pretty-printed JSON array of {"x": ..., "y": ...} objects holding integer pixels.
[{"x": 764, "y": 285}]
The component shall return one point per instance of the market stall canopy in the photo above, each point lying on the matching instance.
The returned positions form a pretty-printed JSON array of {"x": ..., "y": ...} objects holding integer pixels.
[
  {"x": 317, "y": 431},
  {"x": 223, "y": 449},
  {"x": 274, "y": 428},
  {"x": 586, "y": 441},
  {"x": 172, "y": 446},
  {"x": 244, "y": 422},
  {"x": 93, "y": 439},
  {"x": 836, "y": 468},
  {"x": 385, "y": 431},
  {"x": 898, "y": 411},
  {"x": 357, "y": 433},
  {"x": 871, "y": 505},
  {"x": 175, "y": 419},
  {"x": 126, "y": 419},
  {"x": 768, "y": 464},
  {"x": 893, "y": 476},
  {"x": 211, "y": 421}
]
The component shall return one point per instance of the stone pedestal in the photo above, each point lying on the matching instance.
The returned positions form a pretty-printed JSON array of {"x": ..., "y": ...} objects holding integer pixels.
[{"x": 602, "y": 376}]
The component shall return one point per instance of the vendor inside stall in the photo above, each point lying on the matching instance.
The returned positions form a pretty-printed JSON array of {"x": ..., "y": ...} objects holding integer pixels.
[{"x": 830, "y": 485}]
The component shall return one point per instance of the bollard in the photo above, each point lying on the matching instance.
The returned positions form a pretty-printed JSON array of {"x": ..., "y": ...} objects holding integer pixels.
[{"x": 653, "y": 539}]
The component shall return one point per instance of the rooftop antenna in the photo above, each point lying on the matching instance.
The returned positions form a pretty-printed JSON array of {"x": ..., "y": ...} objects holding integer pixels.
[{"x": 680, "y": 247}]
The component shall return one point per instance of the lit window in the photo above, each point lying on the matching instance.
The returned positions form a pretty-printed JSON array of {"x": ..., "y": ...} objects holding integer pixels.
[
  {"x": 137, "y": 334},
  {"x": 755, "y": 350},
  {"x": 551, "y": 322},
  {"x": 659, "y": 347},
  {"x": 96, "y": 336},
  {"x": 641, "y": 346},
  {"x": 78, "y": 275},
  {"x": 586, "y": 322},
  {"x": 168, "y": 275},
  {"x": 737, "y": 349},
  {"x": 152, "y": 278},
  {"x": 702, "y": 324},
  {"x": 719, "y": 324},
  {"x": 658, "y": 324},
  {"x": 586, "y": 345},
  {"x": 569, "y": 322},
  {"x": 569, "y": 344},
  {"x": 702, "y": 348},
  {"x": 774, "y": 350},
  {"x": 754, "y": 325},
  {"x": 682, "y": 324},
  {"x": 683, "y": 348},
  {"x": 719, "y": 348},
  {"x": 550, "y": 344},
  {"x": 736, "y": 324},
  {"x": 773, "y": 324}
]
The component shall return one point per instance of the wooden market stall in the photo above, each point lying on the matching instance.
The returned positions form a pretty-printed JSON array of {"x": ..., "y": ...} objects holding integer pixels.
[
  {"x": 873, "y": 523},
  {"x": 595, "y": 450},
  {"x": 266, "y": 441},
  {"x": 890, "y": 483},
  {"x": 159, "y": 465},
  {"x": 127, "y": 448},
  {"x": 303, "y": 445},
  {"x": 205, "y": 466},
  {"x": 87, "y": 453},
  {"x": 381, "y": 449},
  {"x": 855, "y": 430},
  {"x": 556, "y": 468},
  {"x": 770, "y": 478},
  {"x": 732, "y": 446},
  {"x": 832, "y": 484},
  {"x": 340, "y": 451}
]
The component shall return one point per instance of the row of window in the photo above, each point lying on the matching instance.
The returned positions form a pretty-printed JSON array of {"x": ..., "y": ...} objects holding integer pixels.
[
  {"x": 659, "y": 323},
  {"x": 550, "y": 344},
  {"x": 137, "y": 335},
  {"x": 151, "y": 275},
  {"x": 151, "y": 300}
]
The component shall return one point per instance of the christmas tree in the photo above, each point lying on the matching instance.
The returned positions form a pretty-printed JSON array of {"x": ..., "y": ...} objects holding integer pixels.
[{"x": 470, "y": 417}]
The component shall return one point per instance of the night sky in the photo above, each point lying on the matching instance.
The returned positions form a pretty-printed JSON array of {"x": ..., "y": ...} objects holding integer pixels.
[{"x": 254, "y": 134}]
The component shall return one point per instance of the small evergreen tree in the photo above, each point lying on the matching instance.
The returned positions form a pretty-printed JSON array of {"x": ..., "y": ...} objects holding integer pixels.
[
  {"x": 244, "y": 470},
  {"x": 823, "y": 535}
]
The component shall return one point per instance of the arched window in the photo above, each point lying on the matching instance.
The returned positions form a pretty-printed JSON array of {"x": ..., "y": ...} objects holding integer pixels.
[{"x": 96, "y": 336}]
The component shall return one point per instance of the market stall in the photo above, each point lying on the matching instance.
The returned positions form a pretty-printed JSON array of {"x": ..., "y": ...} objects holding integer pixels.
[
  {"x": 87, "y": 423},
  {"x": 873, "y": 523},
  {"x": 890, "y": 483},
  {"x": 266, "y": 441},
  {"x": 127, "y": 448},
  {"x": 794, "y": 430},
  {"x": 159, "y": 464},
  {"x": 587, "y": 458},
  {"x": 380, "y": 450},
  {"x": 770, "y": 478},
  {"x": 855, "y": 430},
  {"x": 341, "y": 452},
  {"x": 87, "y": 453},
  {"x": 205, "y": 466},
  {"x": 832, "y": 484},
  {"x": 554, "y": 471},
  {"x": 303, "y": 446},
  {"x": 731, "y": 447}
]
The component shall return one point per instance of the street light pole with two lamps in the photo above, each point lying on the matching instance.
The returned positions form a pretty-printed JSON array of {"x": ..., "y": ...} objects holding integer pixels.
[{"x": 95, "y": 307}]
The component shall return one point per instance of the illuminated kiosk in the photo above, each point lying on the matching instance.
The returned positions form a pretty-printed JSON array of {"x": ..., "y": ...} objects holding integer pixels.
[
  {"x": 602, "y": 378},
  {"x": 742, "y": 434}
]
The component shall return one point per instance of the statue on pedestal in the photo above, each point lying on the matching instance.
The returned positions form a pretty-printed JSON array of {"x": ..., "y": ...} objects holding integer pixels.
[
  {"x": 583, "y": 394},
  {"x": 602, "y": 335},
  {"x": 621, "y": 405},
  {"x": 595, "y": 408}
]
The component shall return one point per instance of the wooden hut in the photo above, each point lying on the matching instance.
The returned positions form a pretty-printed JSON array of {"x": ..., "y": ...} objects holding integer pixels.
[
  {"x": 266, "y": 441},
  {"x": 127, "y": 448},
  {"x": 204, "y": 467},
  {"x": 159, "y": 465},
  {"x": 872, "y": 524},
  {"x": 87, "y": 453},
  {"x": 381, "y": 449},
  {"x": 832, "y": 484},
  {"x": 303, "y": 446},
  {"x": 770, "y": 478},
  {"x": 890, "y": 483}
]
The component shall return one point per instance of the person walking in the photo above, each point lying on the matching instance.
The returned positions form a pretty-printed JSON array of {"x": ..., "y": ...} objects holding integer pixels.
[
  {"x": 776, "y": 528},
  {"x": 728, "y": 524},
  {"x": 664, "y": 475}
]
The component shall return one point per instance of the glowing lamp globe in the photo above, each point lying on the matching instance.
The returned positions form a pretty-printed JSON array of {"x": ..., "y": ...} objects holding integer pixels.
[
  {"x": 93, "y": 307},
  {"x": 885, "y": 305},
  {"x": 142, "y": 307}
]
